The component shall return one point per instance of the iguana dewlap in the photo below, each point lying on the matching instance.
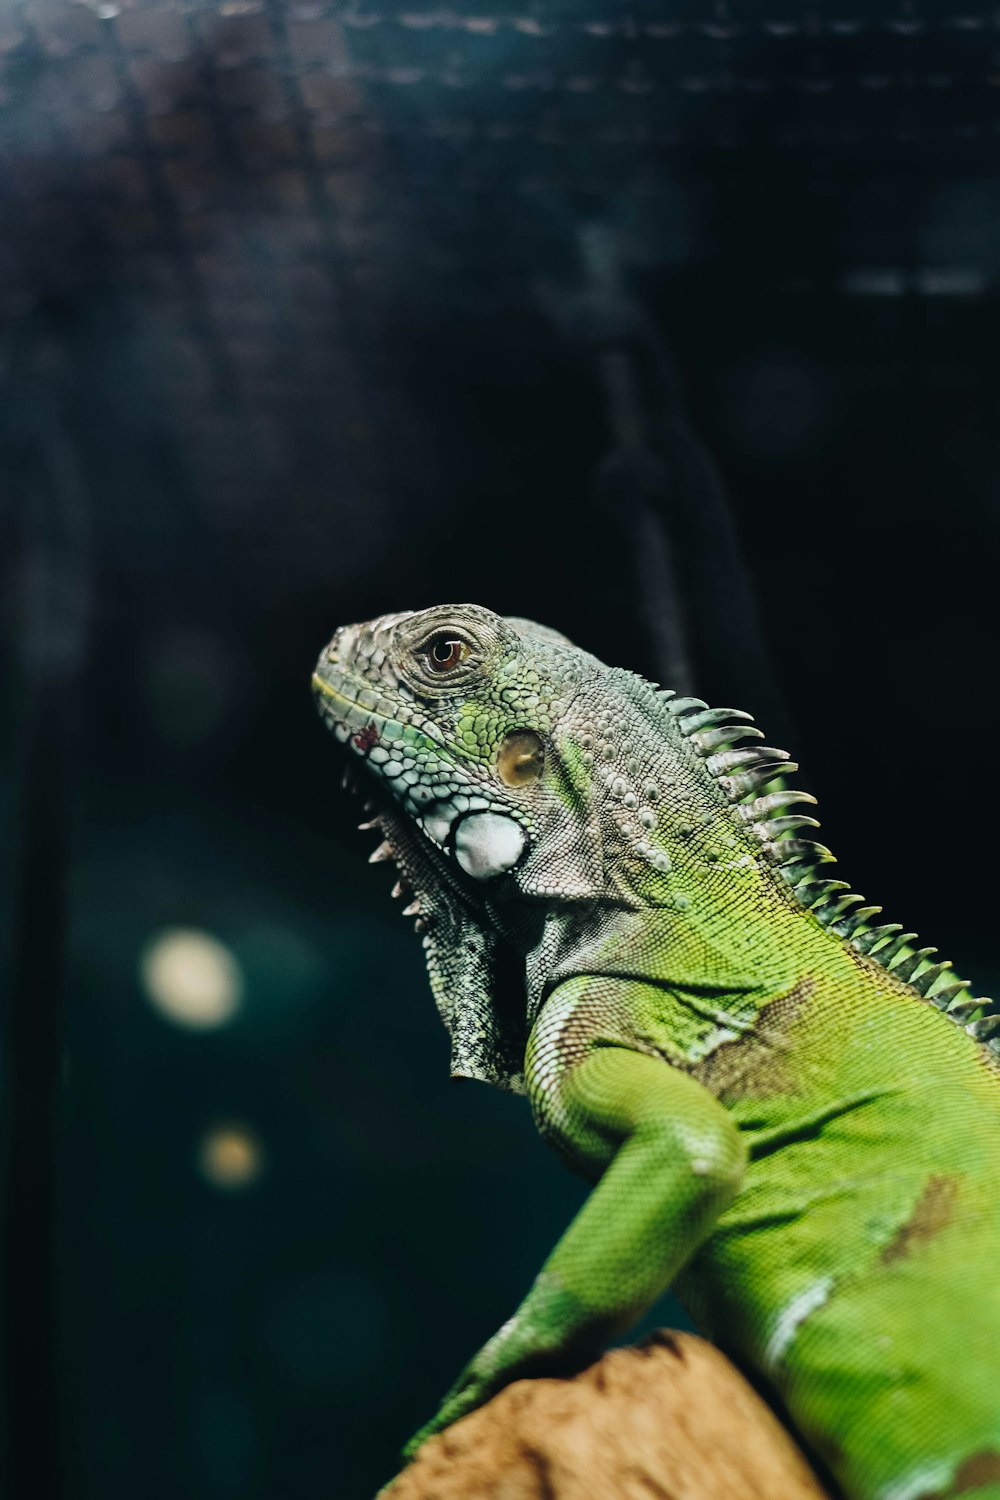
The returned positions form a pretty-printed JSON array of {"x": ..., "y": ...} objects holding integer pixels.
[{"x": 790, "y": 1112}]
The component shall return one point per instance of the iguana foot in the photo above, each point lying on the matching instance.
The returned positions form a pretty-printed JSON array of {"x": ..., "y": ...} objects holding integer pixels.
[
  {"x": 472, "y": 1389},
  {"x": 547, "y": 1335}
]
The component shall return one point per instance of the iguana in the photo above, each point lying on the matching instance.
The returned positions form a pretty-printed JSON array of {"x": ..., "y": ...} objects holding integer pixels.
[{"x": 790, "y": 1112}]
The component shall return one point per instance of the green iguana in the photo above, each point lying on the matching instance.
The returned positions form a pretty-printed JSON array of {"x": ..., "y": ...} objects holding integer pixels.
[{"x": 790, "y": 1112}]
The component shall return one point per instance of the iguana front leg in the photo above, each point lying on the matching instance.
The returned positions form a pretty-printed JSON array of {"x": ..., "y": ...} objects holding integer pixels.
[{"x": 667, "y": 1159}]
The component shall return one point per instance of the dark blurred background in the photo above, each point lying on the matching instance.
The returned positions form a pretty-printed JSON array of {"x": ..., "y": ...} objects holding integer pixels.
[{"x": 673, "y": 326}]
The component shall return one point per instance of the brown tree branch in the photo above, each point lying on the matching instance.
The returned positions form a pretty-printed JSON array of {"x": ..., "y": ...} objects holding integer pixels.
[{"x": 668, "y": 1419}]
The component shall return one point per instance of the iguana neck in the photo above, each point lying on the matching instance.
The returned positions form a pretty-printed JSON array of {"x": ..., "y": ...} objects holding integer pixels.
[{"x": 702, "y": 837}]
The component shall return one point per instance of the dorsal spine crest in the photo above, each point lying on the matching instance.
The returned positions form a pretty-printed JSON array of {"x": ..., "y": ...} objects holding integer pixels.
[{"x": 746, "y": 775}]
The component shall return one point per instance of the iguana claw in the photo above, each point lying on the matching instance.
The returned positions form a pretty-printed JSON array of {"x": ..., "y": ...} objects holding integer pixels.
[{"x": 468, "y": 1393}]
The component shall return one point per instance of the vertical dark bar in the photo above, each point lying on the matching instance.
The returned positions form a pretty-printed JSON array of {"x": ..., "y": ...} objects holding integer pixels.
[
  {"x": 54, "y": 583},
  {"x": 694, "y": 597},
  {"x": 719, "y": 592},
  {"x": 631, "y": 486}
]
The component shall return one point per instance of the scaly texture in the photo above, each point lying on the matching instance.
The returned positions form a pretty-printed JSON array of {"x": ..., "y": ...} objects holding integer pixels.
[{"x": 789, "y": 1111}]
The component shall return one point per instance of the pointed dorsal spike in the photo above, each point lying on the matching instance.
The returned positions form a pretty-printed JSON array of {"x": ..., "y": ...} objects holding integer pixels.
[
  {"x": 746, "y": 783},
  {"x": 793, "y": 851},
  {"x": 383, "y": 852},
  {"x": 775, "y": 827},
  {"x": 926, "y": 981},
  {"x": 710, "y": 740},
  {"x": 962, "y": 1010},
  {"x": 829, "y": 912},
  {"x": 906, "y": 966},
  {"x": 806, "y": 868},
  {"x": 853, "y": 921},
  {"x": 811, "y": 891},
  {"x": 798, "y": 870},
  {"x": 866, "y": 941},
  {"x": 768, "y": 755},
  {"x": 950, "y": 992},
  {"x": 888, "y": 951},
  {"x": 763, "y": 807},
  {"x": 728, "y": 761},
  {"x": 683, "y": 706},
  {"x": 711, "y": 718}
]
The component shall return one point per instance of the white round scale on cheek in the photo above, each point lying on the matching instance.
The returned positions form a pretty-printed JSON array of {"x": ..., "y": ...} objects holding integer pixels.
[{"x": 487, "y": 844}]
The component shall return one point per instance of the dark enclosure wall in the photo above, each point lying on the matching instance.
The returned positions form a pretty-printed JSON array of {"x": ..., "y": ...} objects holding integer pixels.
[{"x": 673, "y": 326}]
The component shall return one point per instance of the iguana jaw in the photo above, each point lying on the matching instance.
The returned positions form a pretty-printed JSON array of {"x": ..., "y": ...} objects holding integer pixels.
[
  {"x": 424, "y": 871},
  {"x": 453, "y": 810}
]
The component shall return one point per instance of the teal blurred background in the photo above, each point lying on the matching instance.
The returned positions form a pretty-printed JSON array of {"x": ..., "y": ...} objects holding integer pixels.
[{"x": 673, "y": 328}]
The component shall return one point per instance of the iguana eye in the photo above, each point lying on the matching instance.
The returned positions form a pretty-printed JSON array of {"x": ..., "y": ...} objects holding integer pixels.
[
  {"x": 446, "y": 652},
  {"x": 521, "y": 758}
]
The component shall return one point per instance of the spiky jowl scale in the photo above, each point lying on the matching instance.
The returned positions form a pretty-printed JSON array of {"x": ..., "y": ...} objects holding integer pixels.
[{"x": 789, "y": 1111}]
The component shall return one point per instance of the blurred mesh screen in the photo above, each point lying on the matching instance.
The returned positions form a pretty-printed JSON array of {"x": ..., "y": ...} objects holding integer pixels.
[{"x": 311, "y": 311}]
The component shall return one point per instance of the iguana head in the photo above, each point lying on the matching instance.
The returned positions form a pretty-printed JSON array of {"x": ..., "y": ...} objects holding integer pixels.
[
  {"x": 466, "y": 721},
  {"x": 477, "y": 738}
]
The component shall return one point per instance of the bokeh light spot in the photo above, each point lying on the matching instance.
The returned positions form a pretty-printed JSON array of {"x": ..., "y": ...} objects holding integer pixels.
[
  {"x": 230, "y": 1157},
  {"x": 192, "y": 979}
]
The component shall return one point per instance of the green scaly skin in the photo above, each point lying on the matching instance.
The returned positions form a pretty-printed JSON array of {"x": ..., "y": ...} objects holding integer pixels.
[{"x": 789, "y": 1113}]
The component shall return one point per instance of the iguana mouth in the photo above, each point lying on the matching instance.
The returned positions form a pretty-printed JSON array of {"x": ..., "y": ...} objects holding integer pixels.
[
  {"x": 422, "y": 864},
  {"x": 351, "y": 720},
  {"x": 456, "y": 814},
  {"x": 327, "y": 690},
  {"x": 342, "y": 725}
]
